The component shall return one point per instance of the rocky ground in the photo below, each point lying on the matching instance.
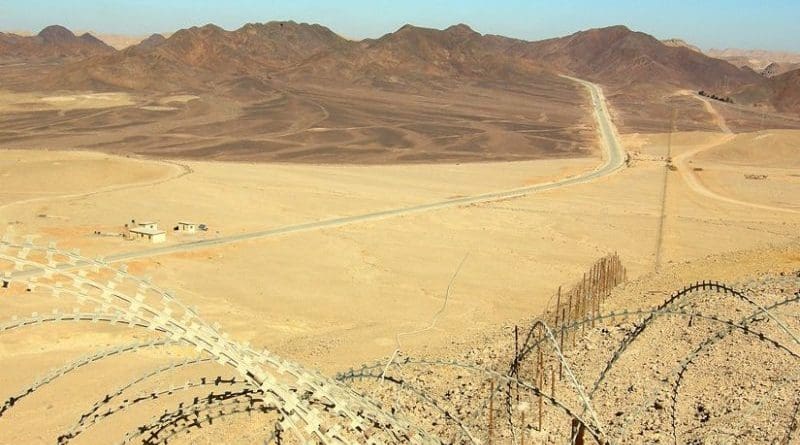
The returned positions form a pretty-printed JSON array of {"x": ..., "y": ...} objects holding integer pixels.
[
  {"x": 699, "y": 352},
  {"x": 706, "y": 364}
]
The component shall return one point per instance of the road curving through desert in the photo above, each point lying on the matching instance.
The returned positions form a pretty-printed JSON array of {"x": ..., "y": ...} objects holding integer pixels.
[
  {"x": 183, "y": 171},
  {"x": 694, "y": 183},
  {"x": 613, "y": 159}
]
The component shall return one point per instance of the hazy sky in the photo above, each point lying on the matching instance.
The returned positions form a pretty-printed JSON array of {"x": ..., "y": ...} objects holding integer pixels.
[{"x": 765, "y": 24}]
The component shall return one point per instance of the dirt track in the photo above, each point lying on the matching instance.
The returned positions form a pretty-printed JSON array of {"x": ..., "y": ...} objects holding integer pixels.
[{"x": 696, "y": 185}]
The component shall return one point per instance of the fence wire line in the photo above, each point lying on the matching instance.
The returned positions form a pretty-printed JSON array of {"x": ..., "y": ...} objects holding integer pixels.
[{"x": 433, "y": 322}]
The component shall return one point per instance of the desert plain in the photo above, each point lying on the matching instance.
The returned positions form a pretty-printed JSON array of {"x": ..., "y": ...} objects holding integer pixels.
[
  {"x": 347, "y": 224},
  {"x": 335, "y": 297}
]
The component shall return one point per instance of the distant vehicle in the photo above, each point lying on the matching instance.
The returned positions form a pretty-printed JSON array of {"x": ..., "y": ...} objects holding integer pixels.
[{"x": 203, "y": 227}]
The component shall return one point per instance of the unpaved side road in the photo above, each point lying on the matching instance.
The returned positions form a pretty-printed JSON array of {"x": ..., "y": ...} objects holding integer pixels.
[
  {"x": 183, "y": 171},
  {"x": 718, "y": 118},
  {"x": 698, "y": 187},
  {"x": 613, "y": 160}
]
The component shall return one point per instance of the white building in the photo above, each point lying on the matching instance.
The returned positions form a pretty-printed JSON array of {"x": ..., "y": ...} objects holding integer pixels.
[
  {"x": 186, "y": 226},
  {"x": 146, "y": 230},
  {"x": 151, "y": 234},
  {"x": 147, "y": 225}
]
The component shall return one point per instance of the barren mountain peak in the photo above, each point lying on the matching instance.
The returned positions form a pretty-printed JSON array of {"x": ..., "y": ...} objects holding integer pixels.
[
  {"x": 152, "y": 41},
  {"x": 268, "y": 24},
  {"x": 87, "y": 37},
  {"x": 205, "y": 30},
  {"x": 408, "y": 27},
  {"x": 461, "y": 27},
  {"x": 680, "y": 43},
  {"x": 55, "y": 33},
  {"x": 211, "y": 28},
  {"x": 606, "y": 35},
  {"x": 613, "y": 28}
]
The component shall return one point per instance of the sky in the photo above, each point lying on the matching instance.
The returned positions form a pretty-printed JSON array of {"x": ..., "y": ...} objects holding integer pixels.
[{"x": 765, "y": 24}]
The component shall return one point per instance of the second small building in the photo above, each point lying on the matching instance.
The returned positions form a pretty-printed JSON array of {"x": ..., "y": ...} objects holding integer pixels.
[{"x": 186, "y": 226}]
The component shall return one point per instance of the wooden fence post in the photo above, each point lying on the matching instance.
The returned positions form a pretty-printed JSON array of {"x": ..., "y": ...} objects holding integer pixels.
[
  {"x": 516, "y": 358},
  {"x": 561, "y": 346},
  {"x": 491, "y": 411},
  {"x": 583, "y": 299},
  {"x": 540, "y": 384},
  {"x": 572, "y": 316},
  {"x": 576, "y": 434},
  {"x": 558, "y": 308}
]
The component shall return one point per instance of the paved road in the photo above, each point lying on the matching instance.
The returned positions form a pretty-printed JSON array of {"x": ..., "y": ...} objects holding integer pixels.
[{"x": 613, "y": 159}]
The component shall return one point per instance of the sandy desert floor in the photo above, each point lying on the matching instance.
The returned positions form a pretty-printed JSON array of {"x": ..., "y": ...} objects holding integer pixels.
[
  {"x": 337, "y": 297},
  {"x": 362, "y": 283}
]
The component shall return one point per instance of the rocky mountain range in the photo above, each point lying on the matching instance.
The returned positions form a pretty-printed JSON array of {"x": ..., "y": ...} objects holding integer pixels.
[{"x": 198, "y": 58}]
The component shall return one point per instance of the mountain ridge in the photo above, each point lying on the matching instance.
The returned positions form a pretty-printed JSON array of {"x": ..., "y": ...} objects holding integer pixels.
[
  {"x": 200, "y": 57},
  {"x": 52, "y": 42},
  {"x": 613, "y": 55}
]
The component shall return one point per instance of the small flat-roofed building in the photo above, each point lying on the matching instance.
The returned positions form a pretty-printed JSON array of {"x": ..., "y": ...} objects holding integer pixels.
[
  {"x": 187, "y": 226},
  {"x": 147, "y": 225},
  {"x": 152, "y": 235}
]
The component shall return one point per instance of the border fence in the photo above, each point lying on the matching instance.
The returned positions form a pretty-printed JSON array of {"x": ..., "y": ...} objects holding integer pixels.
[{"x": 550, "y": 380}]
